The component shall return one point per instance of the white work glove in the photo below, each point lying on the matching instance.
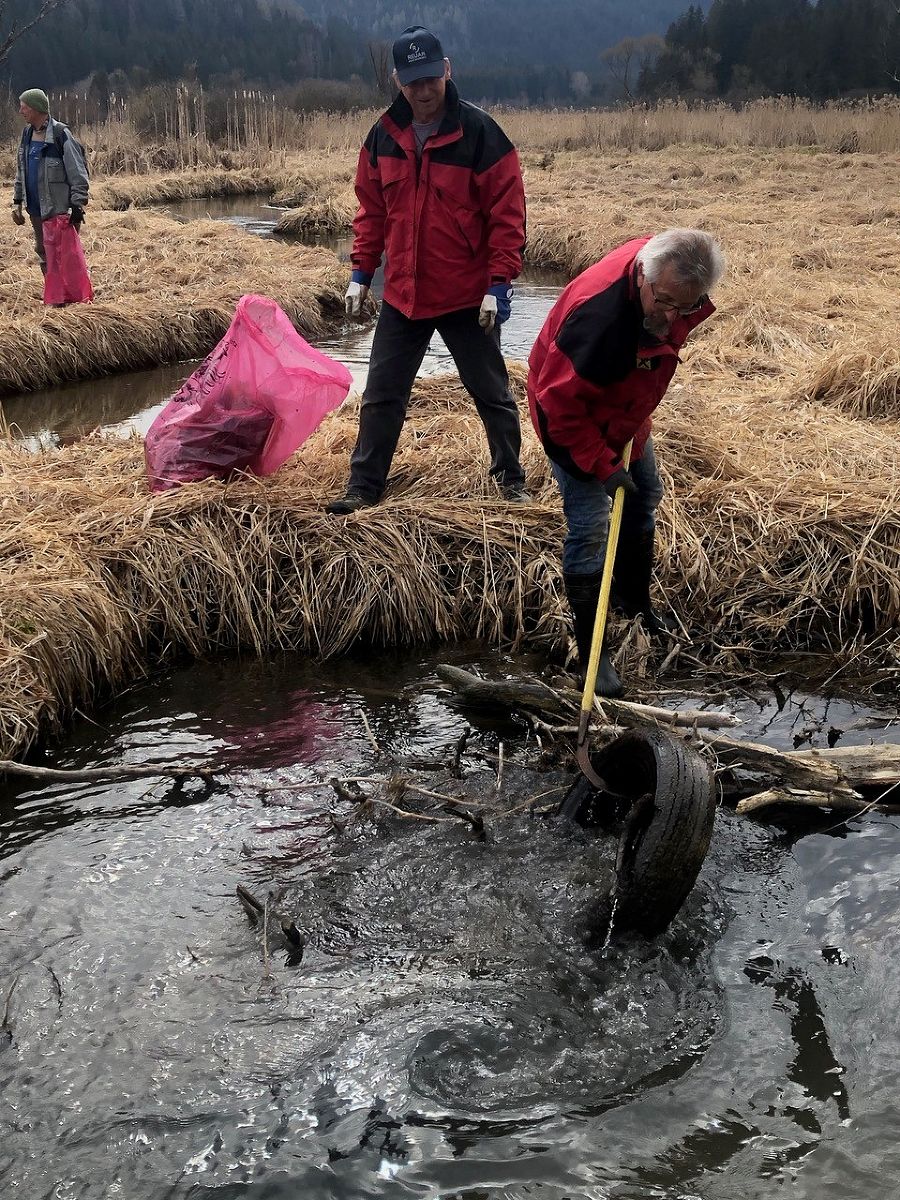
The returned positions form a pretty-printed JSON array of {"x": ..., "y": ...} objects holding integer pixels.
[
  {"x": 495, "y": 307},
  {"x": 355, "y": 298},
  {"x": 487, "y": 314}
]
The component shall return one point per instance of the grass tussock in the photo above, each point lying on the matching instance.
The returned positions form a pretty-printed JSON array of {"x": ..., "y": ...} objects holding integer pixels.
[
  {"x": 765, "y": 544},
  {"x": 863, "y": 382},
  {"x": 164, "y": 291},
  {"x": 320, "y": 198},
  {"x": 320, "y": 214},
  {"x": 143, "y": 190}
]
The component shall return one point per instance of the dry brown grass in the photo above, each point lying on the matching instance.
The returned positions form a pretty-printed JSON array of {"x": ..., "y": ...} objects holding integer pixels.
[
  {"x": 864, "y": 383},
  {"x": 780, "y": 527},
  {"x": 768, "y": 540},
  {"x": 122, "y": 192},
  {"x": 164, "y": 291}
]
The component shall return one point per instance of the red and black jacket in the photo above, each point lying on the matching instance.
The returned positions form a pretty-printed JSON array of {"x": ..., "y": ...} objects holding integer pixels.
[
  {"x": 595, "y": 375},
  {"x": 451, "y": 225}
]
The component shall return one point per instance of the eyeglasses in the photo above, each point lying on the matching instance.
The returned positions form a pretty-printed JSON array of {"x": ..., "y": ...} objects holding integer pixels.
[{"x": 670, "y": 306}]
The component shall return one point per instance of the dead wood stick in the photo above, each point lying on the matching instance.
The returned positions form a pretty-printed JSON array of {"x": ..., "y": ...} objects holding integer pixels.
[
  {"x": 628, "y": 712},
  {"x": 101, "y": 774},
  {"x": 257, "y": 911},
  {"x": 413, "y": 816},
  {"x": 532, "y": 694},
  {"x": 420, "y": 791},
  {"x": 475, "y": 820},
  {"x": 510, "y": 693},
  {"x": 839, "y": 800},
  {"x": 369, "y": 734}
]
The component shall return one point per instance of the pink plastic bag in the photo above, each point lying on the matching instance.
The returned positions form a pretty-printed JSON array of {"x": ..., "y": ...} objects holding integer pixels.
[
  {"x": 256, "y": 398},
  {"x": 67, "y": 280}
]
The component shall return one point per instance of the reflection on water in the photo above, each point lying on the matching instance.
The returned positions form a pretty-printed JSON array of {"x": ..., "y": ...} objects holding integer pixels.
[
  {"x": 123, "y": 404},
  {"x": 118, "y": 404},
  {"x": 449, "y": 1029}
]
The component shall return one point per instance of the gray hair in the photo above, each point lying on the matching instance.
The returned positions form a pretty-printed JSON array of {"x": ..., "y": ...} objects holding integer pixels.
[{"x": 695, "y": 257}]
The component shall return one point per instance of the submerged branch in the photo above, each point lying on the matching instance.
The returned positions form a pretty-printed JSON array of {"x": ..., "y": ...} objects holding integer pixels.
[{"x": 104, "y": 774}]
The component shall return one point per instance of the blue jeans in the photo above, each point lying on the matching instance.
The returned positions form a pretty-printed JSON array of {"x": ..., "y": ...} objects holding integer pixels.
[{"x": 586, "y": 507}]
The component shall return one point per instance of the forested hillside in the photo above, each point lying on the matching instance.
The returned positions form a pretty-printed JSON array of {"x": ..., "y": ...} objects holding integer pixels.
[
  {"x": 218, "y": 40},
  {"x": 526, "y": 50},
  {"x": 501, "y": 34},
  {"x": 743, "y": 48}
]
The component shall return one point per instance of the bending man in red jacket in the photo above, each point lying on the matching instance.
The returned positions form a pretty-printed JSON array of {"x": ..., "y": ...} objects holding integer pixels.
[
  {"x": 600, "y": 366},
  {"x": 440, "y": 192}
]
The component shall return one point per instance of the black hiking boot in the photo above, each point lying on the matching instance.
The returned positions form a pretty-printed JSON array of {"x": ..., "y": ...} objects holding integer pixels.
[
  {"x": 515, "y": 493},
  {"x": 582, "y": 592},
  {"x": 631, "y": 586},
  {"x": 352, "y": 501}
]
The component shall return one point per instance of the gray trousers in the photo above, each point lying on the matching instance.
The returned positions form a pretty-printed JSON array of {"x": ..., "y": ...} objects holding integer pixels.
[
  {"x": 398, "y": 348},
  {"x": 38, "y": 226}
]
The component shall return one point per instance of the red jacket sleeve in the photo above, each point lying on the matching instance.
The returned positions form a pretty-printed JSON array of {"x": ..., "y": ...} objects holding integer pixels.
[
  {"x": 368, "y": 224},
  {"x": 564, "y": 398},
  {"x": 502, "y": 196}
]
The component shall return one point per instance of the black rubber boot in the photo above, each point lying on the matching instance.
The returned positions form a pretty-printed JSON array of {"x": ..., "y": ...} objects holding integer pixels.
[
  {"x": 631, "y": 585},
  {"x": 582, "y": 592}
]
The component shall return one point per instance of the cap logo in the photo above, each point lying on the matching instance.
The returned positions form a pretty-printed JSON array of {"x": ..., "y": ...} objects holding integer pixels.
[{"x": 415, "y": 54}]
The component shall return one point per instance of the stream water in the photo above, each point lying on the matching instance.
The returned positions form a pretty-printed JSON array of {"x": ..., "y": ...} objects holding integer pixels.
[{"x": 450, "y": 1031}]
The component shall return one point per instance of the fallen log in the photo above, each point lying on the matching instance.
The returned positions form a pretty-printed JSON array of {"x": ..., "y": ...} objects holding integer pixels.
[
  {"x": 751, "y": 774},
  {"x": 532, "y": 694}
]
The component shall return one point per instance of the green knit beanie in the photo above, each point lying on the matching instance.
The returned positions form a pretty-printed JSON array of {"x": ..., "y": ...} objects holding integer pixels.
[{"x": 36, "y": 99}]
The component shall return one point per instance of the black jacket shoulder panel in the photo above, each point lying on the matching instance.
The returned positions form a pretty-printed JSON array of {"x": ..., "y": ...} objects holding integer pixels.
[
  {"x": 482, "y": 145},
  {"x": 600, "y": 337},
  {"x": 493, "y": 144},
  {"x": 381, "y": 144}
]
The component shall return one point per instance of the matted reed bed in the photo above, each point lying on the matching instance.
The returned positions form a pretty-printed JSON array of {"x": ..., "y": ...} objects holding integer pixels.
[
  {"x": 779, "y": 531},
  {"x": 122, "y": 192},
  {"x": 163, "y": 291}
]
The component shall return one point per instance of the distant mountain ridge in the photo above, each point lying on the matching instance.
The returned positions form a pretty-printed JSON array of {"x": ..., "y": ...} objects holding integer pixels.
[
  {"x": 501, "y": 49},
  {"x": 526, "y": 33}
]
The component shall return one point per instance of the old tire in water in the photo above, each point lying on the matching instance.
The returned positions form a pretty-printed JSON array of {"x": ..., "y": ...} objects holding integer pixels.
[
  {"x": 667, "y": 831},
  {"x": 667, "y": 827}
]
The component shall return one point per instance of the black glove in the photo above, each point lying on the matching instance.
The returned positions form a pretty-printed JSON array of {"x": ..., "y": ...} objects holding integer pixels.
[
  {"x": 76, "y": 216},
  {"x": 620, "y": 479}
]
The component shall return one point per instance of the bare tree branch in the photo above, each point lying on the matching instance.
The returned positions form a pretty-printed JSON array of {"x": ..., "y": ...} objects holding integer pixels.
[{"x": 15, "y": 32}]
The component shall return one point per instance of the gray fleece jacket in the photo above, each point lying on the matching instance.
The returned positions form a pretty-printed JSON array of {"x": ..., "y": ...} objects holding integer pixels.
[{"x": 63, "y": 176}]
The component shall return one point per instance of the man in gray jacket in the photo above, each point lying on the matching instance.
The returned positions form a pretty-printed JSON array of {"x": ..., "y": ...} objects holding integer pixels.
[{"x": 51, "y": 174}]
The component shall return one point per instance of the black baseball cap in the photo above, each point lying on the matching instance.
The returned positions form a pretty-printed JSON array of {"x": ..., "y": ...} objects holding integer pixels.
[{"x": 417, "y": 55}]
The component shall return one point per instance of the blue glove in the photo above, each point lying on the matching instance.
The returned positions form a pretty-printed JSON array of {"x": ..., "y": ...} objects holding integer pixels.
[
  {"x": 495, "y": 307},
  {"x": 362, "y": 277}
]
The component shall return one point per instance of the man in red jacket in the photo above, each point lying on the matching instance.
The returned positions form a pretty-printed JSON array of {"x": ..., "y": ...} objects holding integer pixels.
[
  {"x": 600, "y": 366},
  {"x": 440, "y": 194}
]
